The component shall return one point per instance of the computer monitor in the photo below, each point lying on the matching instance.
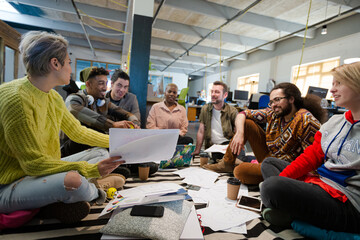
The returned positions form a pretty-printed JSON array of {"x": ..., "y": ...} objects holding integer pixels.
[
  {"x": 321, "y": 92},
  {"x": 229, "y": 97},
  {"x": 193, "y": 99},
  {"x": 241, "y": 95}
]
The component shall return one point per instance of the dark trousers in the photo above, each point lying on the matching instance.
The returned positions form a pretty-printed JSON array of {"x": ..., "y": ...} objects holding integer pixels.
[
  {"x": 306, "y": 201},
  {"x": 184, "y": 140},
  {"x": 70, "y": 147}
]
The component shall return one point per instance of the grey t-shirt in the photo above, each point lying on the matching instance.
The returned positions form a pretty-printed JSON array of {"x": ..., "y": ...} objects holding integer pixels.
[{"x": 129, "y": 103}]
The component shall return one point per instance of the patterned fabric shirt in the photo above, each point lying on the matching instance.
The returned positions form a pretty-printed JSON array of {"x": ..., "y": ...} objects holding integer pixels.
[
  {"x": 228, "y": 115},
  {"x": 286, "y": 141},
  {"x": 30, "y": 121}
]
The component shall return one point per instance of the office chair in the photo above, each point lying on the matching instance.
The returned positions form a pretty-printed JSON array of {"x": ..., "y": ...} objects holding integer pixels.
[
  {"x": 263, "y": 101},
  {"x": 182, "y": 96}
]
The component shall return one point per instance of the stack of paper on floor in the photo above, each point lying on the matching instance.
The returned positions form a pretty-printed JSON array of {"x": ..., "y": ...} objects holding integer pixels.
[{"x": 145, "y": 194}]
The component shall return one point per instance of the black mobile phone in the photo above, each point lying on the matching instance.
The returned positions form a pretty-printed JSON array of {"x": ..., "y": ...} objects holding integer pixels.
[{"x": 147, "y": 211}]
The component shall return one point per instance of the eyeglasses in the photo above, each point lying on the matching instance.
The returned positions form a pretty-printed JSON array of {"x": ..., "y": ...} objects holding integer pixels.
[{"x": 275, "y": 100}]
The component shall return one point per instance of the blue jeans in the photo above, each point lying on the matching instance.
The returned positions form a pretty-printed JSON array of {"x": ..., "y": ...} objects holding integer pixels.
[{"x": 34, "y": 192}]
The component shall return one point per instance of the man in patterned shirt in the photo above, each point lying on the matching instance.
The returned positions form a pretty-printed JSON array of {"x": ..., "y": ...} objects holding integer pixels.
[{"x": 291, "y": 125}]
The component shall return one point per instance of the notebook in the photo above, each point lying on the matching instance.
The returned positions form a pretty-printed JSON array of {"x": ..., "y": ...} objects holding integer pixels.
[{"x": 182, "y": 157}]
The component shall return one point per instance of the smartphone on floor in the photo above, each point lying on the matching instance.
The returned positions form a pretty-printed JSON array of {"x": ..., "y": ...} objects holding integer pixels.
[
  {"x": 147, "y": 211},
  {"x": 250, "y": 203}
]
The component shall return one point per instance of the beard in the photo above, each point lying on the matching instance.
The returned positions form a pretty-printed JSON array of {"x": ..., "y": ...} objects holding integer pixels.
[
  {"x": 216, "y": 100},
  {"x": 284, "y": 111}
]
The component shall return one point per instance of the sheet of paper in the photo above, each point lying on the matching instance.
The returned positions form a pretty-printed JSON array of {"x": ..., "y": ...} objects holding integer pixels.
[
  {"x": 243, "y": 191},
  {"x": 217, "y": 148},
  {"x": 143, "y": 145},
  {"x": 238, "y": 229},
  {"x": 197, "y": 196},
  {"x": 226, "y": 216},
  {"x": 198, "y": 177}
]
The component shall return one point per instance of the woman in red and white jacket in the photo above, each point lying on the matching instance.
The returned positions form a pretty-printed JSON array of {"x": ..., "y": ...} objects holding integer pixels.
[{"x": 322, "y": 185}]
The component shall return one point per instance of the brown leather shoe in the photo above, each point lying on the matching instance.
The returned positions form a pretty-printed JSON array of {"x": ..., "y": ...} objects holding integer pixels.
[
  {"x": 220, "y": 167},
  {"x": 112, "y": 180}
]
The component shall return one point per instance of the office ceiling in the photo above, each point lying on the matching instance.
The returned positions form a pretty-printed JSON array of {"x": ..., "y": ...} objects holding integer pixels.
[{"x": 188, "y": 36}]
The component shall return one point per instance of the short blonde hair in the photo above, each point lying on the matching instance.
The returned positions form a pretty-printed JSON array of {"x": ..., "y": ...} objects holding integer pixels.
[
  {"x": 171, "y": 85},
  {"x": 348, "y": 74},
  {"x": 37, "y": 48}
]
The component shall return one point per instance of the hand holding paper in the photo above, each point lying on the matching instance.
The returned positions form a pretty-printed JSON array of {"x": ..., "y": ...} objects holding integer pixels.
[{"x": 143, "y": 145}]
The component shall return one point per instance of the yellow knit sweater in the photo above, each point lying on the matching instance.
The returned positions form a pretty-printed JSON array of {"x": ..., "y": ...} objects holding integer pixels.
[{"x": 30, "y": 121}]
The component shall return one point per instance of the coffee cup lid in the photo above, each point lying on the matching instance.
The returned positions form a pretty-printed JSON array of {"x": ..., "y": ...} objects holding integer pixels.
[
  {"x": 204, "y": 154},
  {"x": 144, "y": 165},
  {"x": 233, "y": 181}
]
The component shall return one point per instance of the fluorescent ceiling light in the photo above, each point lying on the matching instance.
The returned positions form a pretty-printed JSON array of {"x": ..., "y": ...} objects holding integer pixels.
[{"x": 5, "y": 6}]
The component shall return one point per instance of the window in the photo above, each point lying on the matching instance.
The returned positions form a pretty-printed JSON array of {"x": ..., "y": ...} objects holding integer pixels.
[
  {"x": 9, "y": 64},
  {"x": 159, "y": 84},
  {"x": 81, "y": 64},
  {"x": 249, "y": 83},
  {"x": 315, "y": 74}
]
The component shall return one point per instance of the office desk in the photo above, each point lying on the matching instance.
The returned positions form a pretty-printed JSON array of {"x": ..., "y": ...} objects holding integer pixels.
[
  {"x": 336, "y": 110},
  {"x": 193, "y": 112}
]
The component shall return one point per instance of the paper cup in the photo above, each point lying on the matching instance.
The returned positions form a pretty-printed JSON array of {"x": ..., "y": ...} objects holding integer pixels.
[
  {"x": 204, "y": 159},
  {"x": 144, "y": 171},
  {"x": 233, "y": 186}
]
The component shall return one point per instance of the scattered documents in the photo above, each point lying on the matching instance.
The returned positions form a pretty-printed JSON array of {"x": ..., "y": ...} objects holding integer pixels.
[
  {"x": 198, "y": 177},
  {"x": 228, "y": 217},
  {"x": 145, "y": 194},
  {"x": 143, "y": 145}
]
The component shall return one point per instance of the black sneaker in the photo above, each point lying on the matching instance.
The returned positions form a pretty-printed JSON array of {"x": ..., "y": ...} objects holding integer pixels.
[
  {"x": 66, "y": 212},
  {"x": 153, "y": 168},
  {"x": 277, "y": 217},
  {"x": 126, "y": 172}
]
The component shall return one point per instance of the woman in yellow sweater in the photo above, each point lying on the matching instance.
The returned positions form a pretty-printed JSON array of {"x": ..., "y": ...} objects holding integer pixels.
[{"x": 32, "y": 173}]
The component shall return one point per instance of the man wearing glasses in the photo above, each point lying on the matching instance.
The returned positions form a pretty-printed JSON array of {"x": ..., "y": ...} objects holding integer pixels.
[{"x": 291, "y": 123}]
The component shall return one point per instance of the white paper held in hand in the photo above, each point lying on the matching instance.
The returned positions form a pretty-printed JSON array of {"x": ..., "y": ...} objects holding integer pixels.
[{"x": 143, "y": 145}]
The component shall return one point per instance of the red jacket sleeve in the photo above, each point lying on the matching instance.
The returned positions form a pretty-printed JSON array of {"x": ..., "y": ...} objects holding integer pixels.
[{"x": 309, "y": 160}]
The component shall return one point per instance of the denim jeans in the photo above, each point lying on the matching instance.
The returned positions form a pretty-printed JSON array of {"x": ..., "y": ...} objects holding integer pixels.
[{"x": 33, "y": 192}]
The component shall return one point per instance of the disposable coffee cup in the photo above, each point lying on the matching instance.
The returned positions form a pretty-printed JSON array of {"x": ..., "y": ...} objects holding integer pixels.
[
  {"x": 233, "y": 185},
  {"x": 204, "y": 159},
  {"x": 144, "y": 171}
]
